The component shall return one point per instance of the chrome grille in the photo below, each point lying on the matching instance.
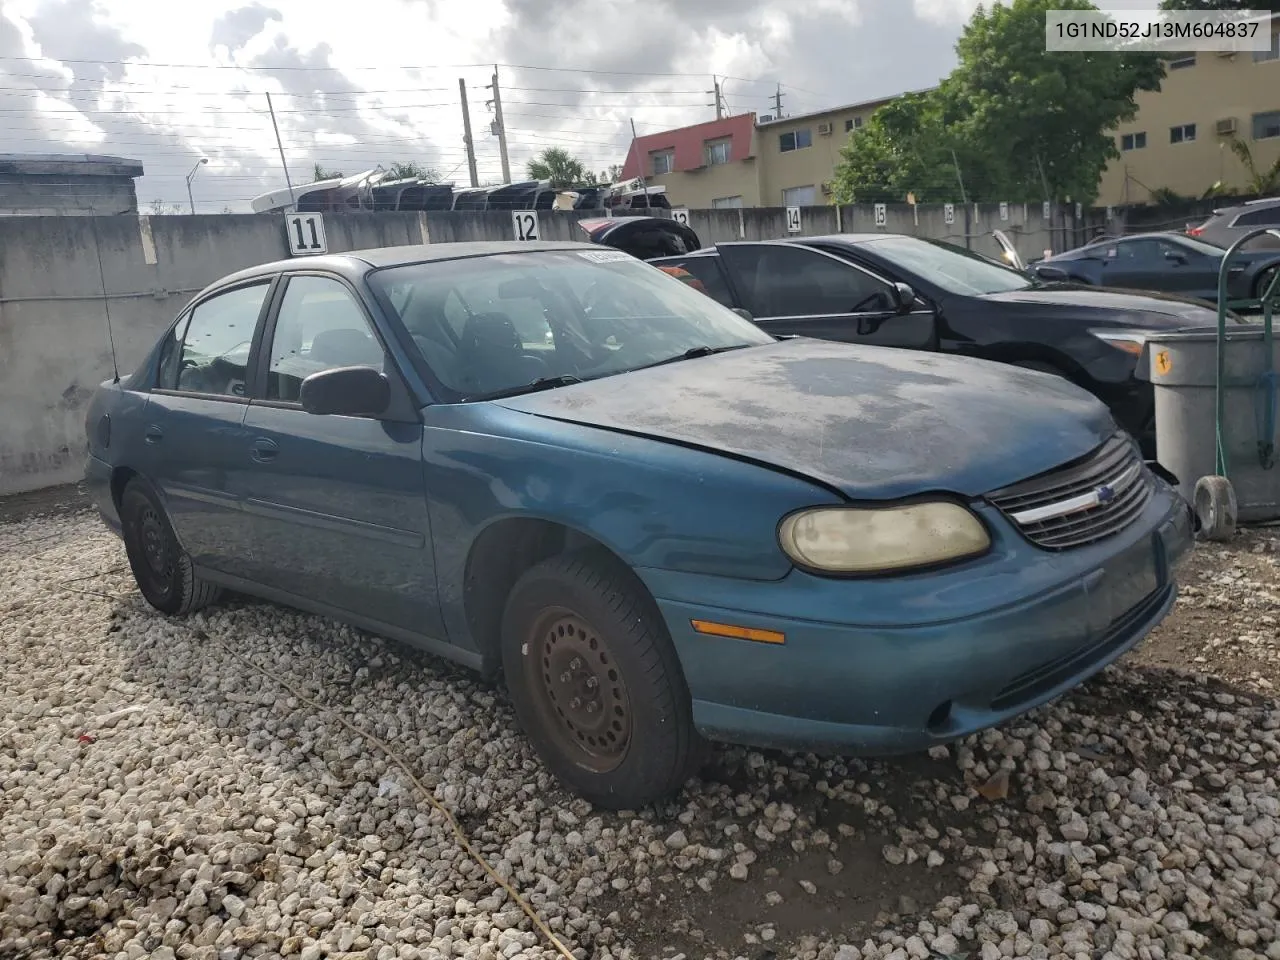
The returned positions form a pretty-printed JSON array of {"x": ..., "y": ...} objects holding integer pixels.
[{"x": 1083, "y": 502}]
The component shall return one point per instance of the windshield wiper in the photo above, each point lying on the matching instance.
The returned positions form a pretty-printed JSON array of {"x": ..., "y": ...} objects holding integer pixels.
[
  {"x": 542, "y": 383},
  {"x": 693, "y": 353}
]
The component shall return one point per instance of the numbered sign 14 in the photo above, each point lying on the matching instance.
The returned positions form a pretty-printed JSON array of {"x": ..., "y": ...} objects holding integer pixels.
[
  {"x": 948, "y": 213},
  {"x": 793, "y": 219},
  {"x": 305, "y": 232},
  {"x": 680, "y": 215},
  {"x": 524, "y": 224}
]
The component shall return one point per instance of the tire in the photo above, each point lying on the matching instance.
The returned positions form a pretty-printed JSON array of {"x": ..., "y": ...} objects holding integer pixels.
[
  {"x": 1260, "y": 287},
  {"x": 578, "y": 630},
  {"x": 161, "y": 568},
  {"x": 1216, "y": 510}
]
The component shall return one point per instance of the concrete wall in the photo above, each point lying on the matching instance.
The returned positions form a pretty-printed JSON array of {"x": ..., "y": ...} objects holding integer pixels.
[
  {"x": 53, "y": 196},
  {"x": 61, "y": 306}
]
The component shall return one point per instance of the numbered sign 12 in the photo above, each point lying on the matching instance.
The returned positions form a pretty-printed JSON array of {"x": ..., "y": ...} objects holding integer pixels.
[
  {"x": 524, "y": 224},
  {"x": 305, "y": 232},
  {"x": 948, "y": 213},
  {"x": 680, "y": 215},
  {"x": 882, "y": 215},
  {"x": 793, "y": 219}
]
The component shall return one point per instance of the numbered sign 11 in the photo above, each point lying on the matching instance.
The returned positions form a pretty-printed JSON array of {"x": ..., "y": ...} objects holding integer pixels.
[
  {"x": 793, "y": 219},
  {"x": 882, "y": 215},
  {"x": 305, "y": 232},
  {"x": 524, "y": 224},
  {"x": 680, "y": 215},
  {"x": 948, "y": 213}
]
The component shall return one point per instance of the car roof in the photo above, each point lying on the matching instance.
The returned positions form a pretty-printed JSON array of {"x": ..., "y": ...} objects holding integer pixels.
[
  {"x": 358, "y": 261},
  {"x": 1246, "y": 207}
]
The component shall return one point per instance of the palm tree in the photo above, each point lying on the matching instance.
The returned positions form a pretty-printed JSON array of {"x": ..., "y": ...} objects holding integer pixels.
[
  {"x": 320, "y": 173},
  {"x": 405, "y": 170},
  {"x": 560, "y": 167},
  {"x": 1261, "y": 182}
]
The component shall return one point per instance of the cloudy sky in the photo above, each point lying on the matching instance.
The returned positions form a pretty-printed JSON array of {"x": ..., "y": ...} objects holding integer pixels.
[{"x": 376, "y": 81}]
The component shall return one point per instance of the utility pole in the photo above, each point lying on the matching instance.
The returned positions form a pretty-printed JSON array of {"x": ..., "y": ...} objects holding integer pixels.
[
  {"x": 719, "y": 103},
  {"x": 777, "y": 103},
  {"x": 466, "y": 134},
  {"x": 499, "y": 127},
  {"x": 293, "y": 200},
  {"x": 644, "y": 185}
]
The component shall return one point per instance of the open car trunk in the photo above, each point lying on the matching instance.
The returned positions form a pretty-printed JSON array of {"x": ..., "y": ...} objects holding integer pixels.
[{"x": 643, "y": 237}]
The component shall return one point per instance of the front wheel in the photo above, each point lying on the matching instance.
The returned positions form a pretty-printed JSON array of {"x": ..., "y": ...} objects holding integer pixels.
[
  {"x": 596, "y": 683},
  {"x": 162, "y": 569}
]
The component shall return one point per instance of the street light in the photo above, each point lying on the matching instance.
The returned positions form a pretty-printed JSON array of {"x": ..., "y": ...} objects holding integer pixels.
[{"x": 190, "y": 176}]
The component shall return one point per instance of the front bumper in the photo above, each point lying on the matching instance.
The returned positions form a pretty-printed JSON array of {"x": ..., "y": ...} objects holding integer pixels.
[{"x": 1030, "y": 626}]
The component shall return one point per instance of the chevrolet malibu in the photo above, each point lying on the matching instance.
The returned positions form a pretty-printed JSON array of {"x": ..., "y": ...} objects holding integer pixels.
[{"x": 662, "y": 525}]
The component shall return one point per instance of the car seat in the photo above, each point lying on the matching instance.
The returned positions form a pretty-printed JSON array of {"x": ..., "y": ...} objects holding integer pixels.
[{"x": 492, "y": 354}]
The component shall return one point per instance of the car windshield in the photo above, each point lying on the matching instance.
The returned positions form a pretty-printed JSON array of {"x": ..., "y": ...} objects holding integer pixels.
[
  {"x": 952, "y": 269},
  {"x": 509, "y": 323}
]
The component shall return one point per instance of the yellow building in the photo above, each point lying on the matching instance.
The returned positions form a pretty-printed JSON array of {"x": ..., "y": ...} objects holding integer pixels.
[
  {"x": 1180, "y": 137},
  {"x": 1178, "y": 141}
]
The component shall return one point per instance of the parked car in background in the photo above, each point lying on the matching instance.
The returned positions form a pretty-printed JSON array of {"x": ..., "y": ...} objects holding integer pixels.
[
  {"x": 644, "y": 237},
  {"x": 1166, "y": 262},
  {"x": 660, "y": 523},
  {"x": 1229, "y": 224},
  {"x": 901, "y": 291}
]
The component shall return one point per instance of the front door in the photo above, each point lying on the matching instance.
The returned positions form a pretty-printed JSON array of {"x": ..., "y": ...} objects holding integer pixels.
[
  {"x": 799, "y": 291},
  {"x": 192, "y": 429},
  {"x": 337, "y": 503}
]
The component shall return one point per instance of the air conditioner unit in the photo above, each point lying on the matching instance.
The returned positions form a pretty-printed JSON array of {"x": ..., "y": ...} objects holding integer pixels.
[
  {"x": 1226, "y": 126},
  {"x": 824, "y": 129}
]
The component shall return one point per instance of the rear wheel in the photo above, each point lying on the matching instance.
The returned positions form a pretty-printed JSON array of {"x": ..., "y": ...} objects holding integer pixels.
[
  {"x": 596, "y": 683},
  {"x": 1216, "y": 508},
  {"x": 162, "y": 569}
]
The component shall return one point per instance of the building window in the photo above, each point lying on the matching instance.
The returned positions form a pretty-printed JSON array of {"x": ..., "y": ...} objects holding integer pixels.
[
  {"x": 1183, "y": 134},
  {"x": 1182, "y": 61},
  {"x": 664, "y": 161},
  {"x": 726, "y": 203},
  {"x": 1266, "y": 125},
  {"x": 853, "y": 124},
  {"x": 798, "y": 196},
  {"x": 796, "y": 140},
  {"x": 1273, "y": 54},
  {"x": 1133, "y": 141},
  {"x": 716, "y": 152}
]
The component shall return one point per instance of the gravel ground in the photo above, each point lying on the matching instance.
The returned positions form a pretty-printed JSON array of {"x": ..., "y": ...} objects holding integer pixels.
[{"x": 159, "y": 798}]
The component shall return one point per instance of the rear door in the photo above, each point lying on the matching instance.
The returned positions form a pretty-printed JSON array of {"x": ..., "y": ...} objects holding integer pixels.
[
  {"x": 795, "y": 290},
  {"x": 193, "y": 423},
  {"x": 337, "y": 502}
]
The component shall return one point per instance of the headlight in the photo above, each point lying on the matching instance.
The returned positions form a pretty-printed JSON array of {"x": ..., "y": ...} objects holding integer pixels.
[
  {"x": 852, "y": 540},
  {"x": 1130, "y": 341}
]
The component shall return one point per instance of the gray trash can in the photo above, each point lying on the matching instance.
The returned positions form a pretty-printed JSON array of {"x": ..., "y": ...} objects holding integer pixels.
[{"x": 1184, "y": 373}]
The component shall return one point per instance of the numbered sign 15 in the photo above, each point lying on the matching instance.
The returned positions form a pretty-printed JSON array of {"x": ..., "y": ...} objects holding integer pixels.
[
  {"x": 948, "y": 213},
  {"x": 882, "y": 215},
  {"x": 524, "y": 224},
  {"x": 793, "y": 219},
  {"x": 680, "y": 215},
  {"x": 305, "y": 232}
]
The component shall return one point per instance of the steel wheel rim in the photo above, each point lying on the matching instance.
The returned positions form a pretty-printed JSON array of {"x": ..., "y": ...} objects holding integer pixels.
[
  {"x": 153, "y": 543},
  {"x": 579, "y": 690}
]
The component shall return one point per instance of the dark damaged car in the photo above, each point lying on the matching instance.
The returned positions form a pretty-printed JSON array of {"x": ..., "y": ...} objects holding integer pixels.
[{"x": 660, "y": 523}]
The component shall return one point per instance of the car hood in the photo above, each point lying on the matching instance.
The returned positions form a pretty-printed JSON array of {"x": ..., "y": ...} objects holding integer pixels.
[
  {"x": 1127, "y": 306},
  {"x": 870, "y": 422}
]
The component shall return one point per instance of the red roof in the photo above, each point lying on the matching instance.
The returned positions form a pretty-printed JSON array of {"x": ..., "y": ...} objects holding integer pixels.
[{"x": 687, "y": 142}]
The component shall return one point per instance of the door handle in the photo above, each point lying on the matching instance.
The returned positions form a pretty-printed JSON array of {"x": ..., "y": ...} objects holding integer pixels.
[
  {"x": 152, "y": 434},
  {"x": 264, "y": 450}
]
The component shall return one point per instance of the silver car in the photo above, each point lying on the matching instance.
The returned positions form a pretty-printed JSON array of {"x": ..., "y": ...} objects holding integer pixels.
[{"x": 1229, "y": 224}]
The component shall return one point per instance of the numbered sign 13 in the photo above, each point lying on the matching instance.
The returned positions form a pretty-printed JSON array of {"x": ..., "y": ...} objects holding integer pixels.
[
  {"x": 524, "y": 224},
  {"x": 306, "y": 234}
]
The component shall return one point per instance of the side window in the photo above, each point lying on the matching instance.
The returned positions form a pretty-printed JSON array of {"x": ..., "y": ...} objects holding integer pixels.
[
  {"x": 1267, "y": 217},
  {"x": 320, "y": 326},
  {"x": 785, "y": 281},
  {"x": 217, "y": 342},
  {"x": 701, "y": 273},
  {"x": 1139, "y": 252},
  {"x": 170, "y": 354}
]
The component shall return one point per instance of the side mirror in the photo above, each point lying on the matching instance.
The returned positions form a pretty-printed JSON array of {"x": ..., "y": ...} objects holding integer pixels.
[
  {"x": 744, "y": 314},
  {"x": 1052, "y": 274},
  {"x": 904, "y": 298},
  {"x": 346, "y": 391}
]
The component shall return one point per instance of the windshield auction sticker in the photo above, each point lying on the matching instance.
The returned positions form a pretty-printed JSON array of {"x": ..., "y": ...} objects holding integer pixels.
[
  {"x": 1107, "y": 30},
  {"x": 604, "y": 256}
]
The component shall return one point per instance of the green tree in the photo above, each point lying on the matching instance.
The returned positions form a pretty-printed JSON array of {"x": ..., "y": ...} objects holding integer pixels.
[
  {"x": 1261, "y": 181},
  {"x": 1018, "y": 122},
  {"x": 405, "y": 170},
  {"x": 1272, "y": 5},
  {"x": 320, "y": 173},
  {"x": 560, "y": 167}
]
